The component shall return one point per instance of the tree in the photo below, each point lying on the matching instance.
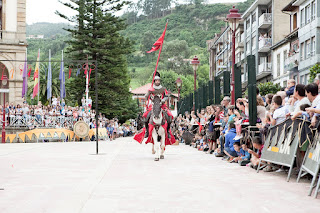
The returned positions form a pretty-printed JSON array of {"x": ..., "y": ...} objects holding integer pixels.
[
  {"x": 314, "y": 71},
  {"x": 174, "y": 54},
  {"x": 268, "y": 87},
  {"x": 96, "y": 37}
]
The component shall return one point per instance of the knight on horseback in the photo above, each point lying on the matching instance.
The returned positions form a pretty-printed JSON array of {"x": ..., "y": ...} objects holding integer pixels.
[{"x": 158, "y": 90}]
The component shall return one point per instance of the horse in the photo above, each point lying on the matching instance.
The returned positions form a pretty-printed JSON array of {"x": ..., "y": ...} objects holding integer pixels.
[{"x": 158, "y": 132}]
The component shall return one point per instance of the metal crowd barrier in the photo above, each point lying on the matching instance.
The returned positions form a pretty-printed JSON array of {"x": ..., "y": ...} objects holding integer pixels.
[{"x": 43, "y": 121}]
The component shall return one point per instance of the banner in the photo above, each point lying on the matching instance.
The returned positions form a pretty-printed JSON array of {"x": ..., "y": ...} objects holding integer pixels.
[
  {"x": 40, "y": 134},
  {"x": 282, "y": 143}
]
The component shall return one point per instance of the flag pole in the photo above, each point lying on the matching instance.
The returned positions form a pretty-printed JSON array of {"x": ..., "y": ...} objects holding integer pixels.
[
  {"x": 51, "y": 77},
  {"x": 26, "y": 86},
  {"x": 39, "y": 77},
  {"x": 159, "y": 55}
]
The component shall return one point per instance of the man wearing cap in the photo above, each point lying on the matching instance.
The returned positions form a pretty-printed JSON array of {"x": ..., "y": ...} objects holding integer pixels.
[{"x": 157, "y": 89}]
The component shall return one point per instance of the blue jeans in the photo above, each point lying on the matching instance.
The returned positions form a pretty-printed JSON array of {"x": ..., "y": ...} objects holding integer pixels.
[
  {"x": 221, "y": 139},
  {"x": 231, "y": 152}
]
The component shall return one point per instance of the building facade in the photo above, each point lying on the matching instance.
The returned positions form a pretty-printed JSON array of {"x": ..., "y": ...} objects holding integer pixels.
[
  {"x": 13, "y": 46},
  {"x": 264, "y": 26},
  {"x": 308, "y": 36}
]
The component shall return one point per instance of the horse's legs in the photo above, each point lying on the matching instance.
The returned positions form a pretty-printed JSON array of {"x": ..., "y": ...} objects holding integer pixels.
[
  {"x": 153, "y": 152},
  {"x": 156, "y": 145},
  {"x": 163, "y": 144}
]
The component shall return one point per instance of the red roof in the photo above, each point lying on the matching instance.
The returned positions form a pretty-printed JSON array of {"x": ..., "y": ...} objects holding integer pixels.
[
  {"x": 141, "y": 90},
  {"x": 144, "y": 89}
]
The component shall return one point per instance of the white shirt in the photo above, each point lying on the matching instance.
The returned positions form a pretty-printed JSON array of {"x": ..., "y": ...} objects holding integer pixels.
[
  {"x": 297, "y": 104},
  {"x": 280, "y": 115},
  {"x": 316, "y": 101}
]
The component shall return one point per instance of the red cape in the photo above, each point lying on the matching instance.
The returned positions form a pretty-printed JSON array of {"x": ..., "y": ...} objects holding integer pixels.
[{"x": 140, "y": 135}]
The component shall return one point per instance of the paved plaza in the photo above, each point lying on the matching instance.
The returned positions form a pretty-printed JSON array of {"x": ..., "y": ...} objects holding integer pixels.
[{"x": 69, "y": 178}]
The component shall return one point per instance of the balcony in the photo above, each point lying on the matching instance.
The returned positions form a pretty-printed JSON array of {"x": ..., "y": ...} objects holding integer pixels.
[
  {"x": 264, "y": 70},
  {"x": 291, "y": 62},
  {"x": 265, "y": 44},
  {"x": 265, "y": 20}
]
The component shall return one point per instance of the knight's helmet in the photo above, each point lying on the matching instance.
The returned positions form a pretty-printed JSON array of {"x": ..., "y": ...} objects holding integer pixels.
[{"x": 156, "y": 77}]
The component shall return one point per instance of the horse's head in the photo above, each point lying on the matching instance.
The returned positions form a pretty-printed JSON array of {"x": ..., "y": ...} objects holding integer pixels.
[{"x": 156, "y": 108}]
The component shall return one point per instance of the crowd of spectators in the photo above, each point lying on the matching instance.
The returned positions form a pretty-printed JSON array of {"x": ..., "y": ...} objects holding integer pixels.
[
  {"x": 59, "y": 115},
  {"x": 219, "y": 129}
]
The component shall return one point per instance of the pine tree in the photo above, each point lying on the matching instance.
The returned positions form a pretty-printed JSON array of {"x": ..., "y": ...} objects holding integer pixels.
[{"x": 97, "y": 37}]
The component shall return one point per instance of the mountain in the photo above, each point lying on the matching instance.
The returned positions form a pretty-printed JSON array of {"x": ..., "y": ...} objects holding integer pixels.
[{"x": 47, "y": 29}]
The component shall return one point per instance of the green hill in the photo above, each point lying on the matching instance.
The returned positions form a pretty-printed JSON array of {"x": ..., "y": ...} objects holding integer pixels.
[
  {"x": 47, "y": 29},
  {"x": 189, "y": 27}
]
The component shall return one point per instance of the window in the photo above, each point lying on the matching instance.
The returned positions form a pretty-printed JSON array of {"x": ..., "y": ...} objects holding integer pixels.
[
  {"x": 302, "y": 51},
  {"x": 278, "y": 65},
  {"x": 313, "y": 10},
  {"x": 302, "y": 79},
  {"x": 248, "y": 23},
  {"x": 308, "y": 14},
  {"x": 285, "y": 56},
  {"x": 254, "y": 18},
  {"x": 308, "y": 48},
  {"x": 313, "y": 46},
  {"x": 284, "y": 84},
  {"x": 302, "y": 17},
  {"x": 295, "y": 21},
  {"x": 248, "y": 47},
  {"x": 254, "y": 41}
]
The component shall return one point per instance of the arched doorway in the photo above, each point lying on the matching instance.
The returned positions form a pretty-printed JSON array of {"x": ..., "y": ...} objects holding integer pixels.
[{"x": 4, "y": 69}]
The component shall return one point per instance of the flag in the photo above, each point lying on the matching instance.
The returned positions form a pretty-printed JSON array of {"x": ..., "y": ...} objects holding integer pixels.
[
  {"x": 29, "y": 73},
  {"x": 62, "y": 80},
  {"x": 49, "y": 79},
  {"x": 25, "y": 79},
  {"x": 36, "y": 78},
  {"x": 159, "y": 42},
  {"x": 156, "y": 46}
]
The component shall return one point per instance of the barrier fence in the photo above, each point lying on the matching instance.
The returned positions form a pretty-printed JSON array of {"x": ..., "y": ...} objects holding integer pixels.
[
  {"x": 43, "y": 121},
  {"x": 282, "y": 143}
]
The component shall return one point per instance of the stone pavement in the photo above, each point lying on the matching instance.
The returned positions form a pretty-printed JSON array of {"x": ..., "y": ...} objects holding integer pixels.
[{"x": 69, "y": 178}]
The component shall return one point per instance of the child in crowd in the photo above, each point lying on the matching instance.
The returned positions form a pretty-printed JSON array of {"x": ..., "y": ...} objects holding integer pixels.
[
  {"x": 255, "y": 156},
  {"x": 242, "y": 153},
  {"x": 280, "y": 112},
  {"x": 229, "y": 141}
]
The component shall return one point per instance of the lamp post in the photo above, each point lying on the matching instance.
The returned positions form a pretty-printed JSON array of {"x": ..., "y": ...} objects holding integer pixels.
[
  {"x": 195, "y": 64},
  {"x": 233, "y": 18},
  {"x": 4, "y": 89},
  {"x": 179, "y": 85}
]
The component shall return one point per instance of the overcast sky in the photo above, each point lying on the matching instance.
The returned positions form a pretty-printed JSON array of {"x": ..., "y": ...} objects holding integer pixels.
[{"x": 44, "y": 10}]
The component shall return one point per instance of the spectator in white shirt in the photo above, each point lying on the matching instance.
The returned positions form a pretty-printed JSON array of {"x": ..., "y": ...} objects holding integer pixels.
[
  {"x": 299, "y": 98},
  {"x": 279, "y": 114}
]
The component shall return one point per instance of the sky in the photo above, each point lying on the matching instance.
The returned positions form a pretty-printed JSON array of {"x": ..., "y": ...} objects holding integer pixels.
[{"x": 44, "y": 10}]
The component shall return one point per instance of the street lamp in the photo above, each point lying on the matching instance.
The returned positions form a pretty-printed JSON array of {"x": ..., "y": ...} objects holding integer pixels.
[
  {"x": 233, "y": 18},
  {"x": 195, "y": 64},
  {"x": 4, "y": 89},
  {"x": 179, "y": 85}
]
